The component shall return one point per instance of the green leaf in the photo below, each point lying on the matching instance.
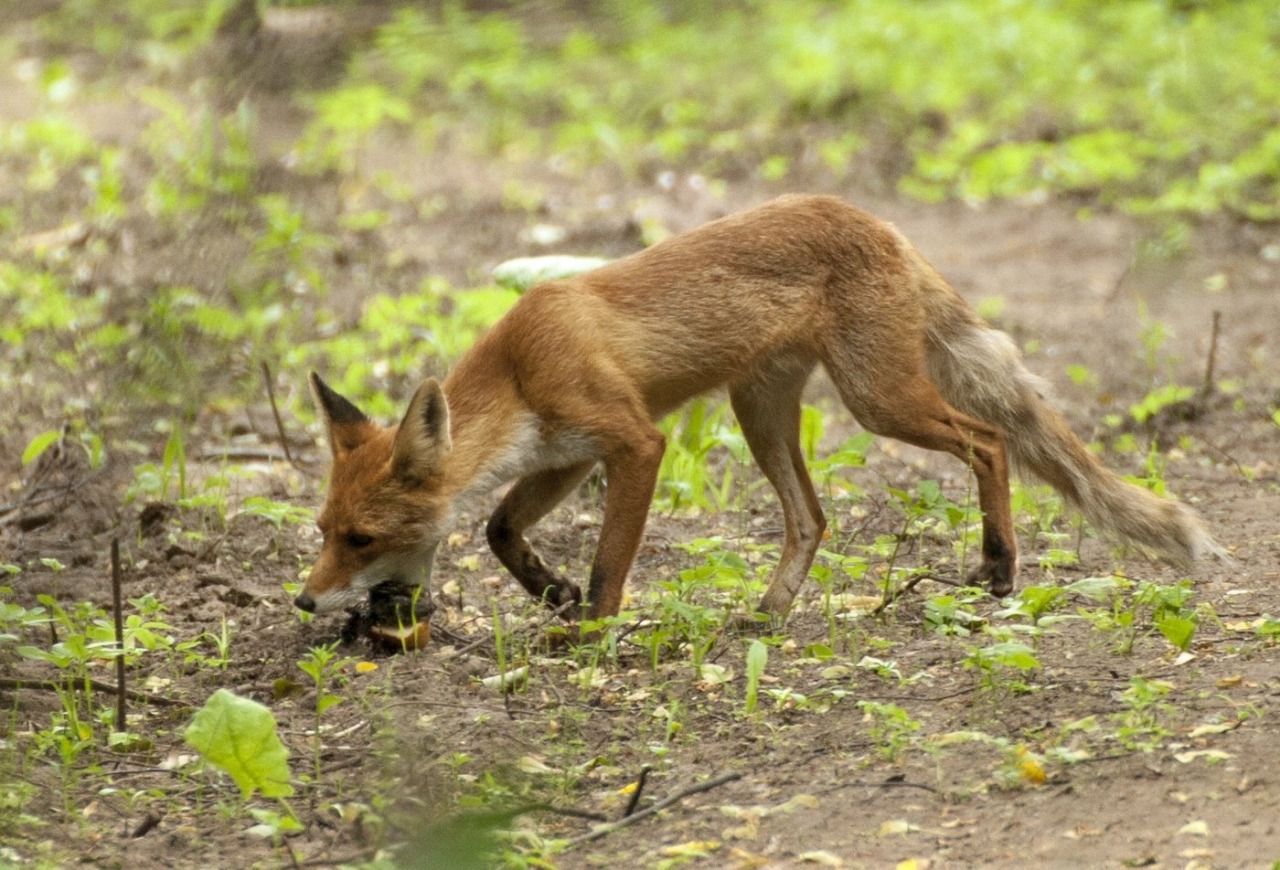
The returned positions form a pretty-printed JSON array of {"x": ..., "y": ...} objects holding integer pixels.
[
  {"x": 757, "y": 659},
  {"x": 1011, "y": 654},
  {"x": 1096, "y": 588},
  {"x": 39, "y": 445},
  {"x": 239, "y": 736},
  {"x": 1178, "y": 630}
]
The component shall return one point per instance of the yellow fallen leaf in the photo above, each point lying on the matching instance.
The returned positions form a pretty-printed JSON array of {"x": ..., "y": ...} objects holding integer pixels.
[
  {"x": 818, "y": 856},
  {"x": 800, "y": 801},
  {"x": 913, "y": 864},
  {"x": 534, "y": 764},
  {"x": 1079, "y": 832},
  {"x": 1030, "y": 769},
  {"x": 692, "y": 849},
  {"x": 1214, "y": 728},
  {"x": 365, "y": 667},
  {"x": 1209, "y": 754},
  {"x": 895, "y": 827},
  {"x": 1195, "y": 829},
  {"x": 744, "y": 860},
  {"x": 1230, "y": 682},
  {"x": 746, "y": 831}
]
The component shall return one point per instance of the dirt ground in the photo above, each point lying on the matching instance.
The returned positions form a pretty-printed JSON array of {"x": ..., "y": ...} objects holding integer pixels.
[{"x": 816, "y": 784}]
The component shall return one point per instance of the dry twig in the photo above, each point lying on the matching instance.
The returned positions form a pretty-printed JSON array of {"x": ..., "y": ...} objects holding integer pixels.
[
  {"x": 661, "y": 805},
  {"x": 121, "y": 691},
  {"x": 275, "y": 411}
]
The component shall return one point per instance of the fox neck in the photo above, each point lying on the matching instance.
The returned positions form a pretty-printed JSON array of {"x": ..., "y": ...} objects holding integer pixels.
[{"x": 497, "y": 438}]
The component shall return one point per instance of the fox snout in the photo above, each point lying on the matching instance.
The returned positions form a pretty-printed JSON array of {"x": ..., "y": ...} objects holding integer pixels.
[{"x": 305, "y": 602}]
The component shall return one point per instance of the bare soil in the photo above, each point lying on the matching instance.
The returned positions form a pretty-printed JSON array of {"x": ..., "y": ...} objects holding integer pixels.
[{"x": 814, "y": 785}]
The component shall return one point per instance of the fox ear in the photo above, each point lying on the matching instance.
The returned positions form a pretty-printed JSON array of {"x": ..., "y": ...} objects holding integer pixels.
[
  {"x": 348, "y": 426},
  {"x": 422, "y": 442}
]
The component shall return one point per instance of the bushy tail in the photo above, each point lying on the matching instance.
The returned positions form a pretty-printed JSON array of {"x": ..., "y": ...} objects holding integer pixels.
[{"x": 979, "y": 371}]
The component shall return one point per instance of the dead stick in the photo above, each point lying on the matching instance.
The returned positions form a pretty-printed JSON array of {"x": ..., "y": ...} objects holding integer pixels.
[
  {"x": 894, "y": 594},
  {"x": 271, "y": 394},
  {"x": 120, "y": 723},
  {"x": 1212, "y": 361},
  {"x": 635, "y": 795},
  {"x": 888, "y": 783},
  {"x": 96, "y": 685},
  {"x": 653, "y": 810}
]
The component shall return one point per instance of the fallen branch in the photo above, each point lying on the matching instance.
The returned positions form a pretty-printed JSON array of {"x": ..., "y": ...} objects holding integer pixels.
[
  {"x": 661, "y": 805},
  {"x": 1206, "y": 389},
  {"x": 893, "y": 595},
  {"x": 96, "y": 685},
  {"x": 271, "y": 395},
  {"x": 40, "y": 493},
  {"x": 888, "y": 783},
  {"x": 122, "y": 693},
  {"x": 635, "y": 795}
]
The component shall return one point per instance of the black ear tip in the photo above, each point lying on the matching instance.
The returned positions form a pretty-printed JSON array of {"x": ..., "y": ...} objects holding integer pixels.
[{"x": 336, "y": 406}]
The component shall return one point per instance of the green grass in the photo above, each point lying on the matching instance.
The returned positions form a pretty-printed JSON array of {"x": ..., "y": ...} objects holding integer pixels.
[{"x": 1148, "y": 106}]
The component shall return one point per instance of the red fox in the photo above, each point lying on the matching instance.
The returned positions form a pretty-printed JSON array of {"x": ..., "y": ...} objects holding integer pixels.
[{"x": 579, "y": 369}]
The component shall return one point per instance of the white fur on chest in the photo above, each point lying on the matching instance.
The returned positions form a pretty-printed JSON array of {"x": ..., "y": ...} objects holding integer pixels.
[{"x": 531, "y": 451}]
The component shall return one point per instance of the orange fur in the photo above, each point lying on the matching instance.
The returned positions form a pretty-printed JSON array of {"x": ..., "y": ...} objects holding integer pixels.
[{"x": 579, "y": 369}]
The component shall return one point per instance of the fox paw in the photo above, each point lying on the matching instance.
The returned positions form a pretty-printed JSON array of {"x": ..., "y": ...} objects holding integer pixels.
[
  {"x": 560, "y": 595},
  {"x": 996, "y": 576}
]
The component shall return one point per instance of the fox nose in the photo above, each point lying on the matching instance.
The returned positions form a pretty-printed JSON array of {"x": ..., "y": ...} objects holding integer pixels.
[{"x": 305, "y": 602}]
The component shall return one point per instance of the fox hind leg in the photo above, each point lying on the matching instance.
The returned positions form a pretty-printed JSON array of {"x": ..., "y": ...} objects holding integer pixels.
[{"x": 909, "y": 408}]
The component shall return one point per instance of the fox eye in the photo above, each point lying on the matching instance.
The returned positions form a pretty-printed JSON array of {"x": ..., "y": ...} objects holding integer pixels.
[{"x": 358, "y": 541}]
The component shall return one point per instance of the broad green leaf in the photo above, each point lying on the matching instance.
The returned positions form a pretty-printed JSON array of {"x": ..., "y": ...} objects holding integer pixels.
[
  {"x": 757, "y": 659},
  {"x": 239, "y": 736},
  {"x": 1178, "y": 630},
  {"x": 1096, "y": 588},
  {"x": 39, "y": 445},
  {"x": 1011, "y": 654}
]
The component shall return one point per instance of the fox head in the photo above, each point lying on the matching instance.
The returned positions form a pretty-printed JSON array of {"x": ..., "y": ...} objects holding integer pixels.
[{"x": 385, "y": 512}]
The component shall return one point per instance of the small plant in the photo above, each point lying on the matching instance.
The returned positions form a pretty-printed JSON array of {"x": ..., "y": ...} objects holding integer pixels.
[
  {"x": 954, "y": 614},
  {"x": 891, "y": 728},
  {"x": 288, "y": 245},
  {"x": 1163, "y": 607},
  {"x": 687, "y": 478},
  {"x": 324, "y": 667},
  {"x": 1036, "y": 603},
  {"x": 1001, "y": 666},
  {"x": 197, "y": 157},
  {"x": 238, "y": 736},
  {"x": 1140, "y": 725}
]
